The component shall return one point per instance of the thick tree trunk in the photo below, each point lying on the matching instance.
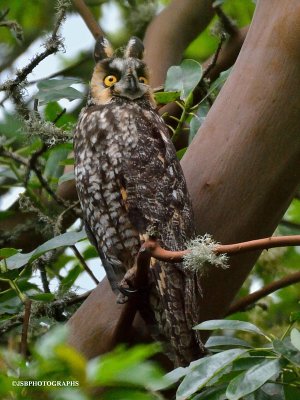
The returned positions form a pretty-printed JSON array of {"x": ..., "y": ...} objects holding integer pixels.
[{"x": 242, "y": 168}]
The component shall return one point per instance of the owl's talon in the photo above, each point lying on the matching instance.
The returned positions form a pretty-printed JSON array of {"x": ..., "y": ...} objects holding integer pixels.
[{"x": 127, "y": 291}]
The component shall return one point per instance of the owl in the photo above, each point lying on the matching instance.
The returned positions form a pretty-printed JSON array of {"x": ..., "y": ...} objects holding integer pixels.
[{"x": 131, "y": 187}]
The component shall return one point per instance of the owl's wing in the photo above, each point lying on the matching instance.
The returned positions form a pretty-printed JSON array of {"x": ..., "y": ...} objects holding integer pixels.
[
  {"x": 157, "y": 200},
  {"x": 109, "y": 268}
]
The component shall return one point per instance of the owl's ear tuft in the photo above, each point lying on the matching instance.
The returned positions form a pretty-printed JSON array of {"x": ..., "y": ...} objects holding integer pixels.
[
  {"x": 134, "y": 48},
  {"x": 103, "y": 49}
]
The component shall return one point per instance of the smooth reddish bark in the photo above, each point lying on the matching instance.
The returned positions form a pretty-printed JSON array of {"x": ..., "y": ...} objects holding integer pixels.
[{"x": 243, "y": 167}]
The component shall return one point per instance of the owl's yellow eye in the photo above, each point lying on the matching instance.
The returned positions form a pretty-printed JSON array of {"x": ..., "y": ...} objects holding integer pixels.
[
  {"x": 109, "y": 80},
  {"x": 143, "y": 80}
]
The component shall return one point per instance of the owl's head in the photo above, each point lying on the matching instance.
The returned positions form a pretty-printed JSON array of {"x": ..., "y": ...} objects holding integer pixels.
[{"x": 123, "y": 76}]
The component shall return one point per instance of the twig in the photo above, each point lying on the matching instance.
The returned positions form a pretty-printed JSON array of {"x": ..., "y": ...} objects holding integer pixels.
[
  {"x": 31, "y": 165},
  {"x": 32, "y": 161},
  {"x": 57, "y": 118},
  {"x": 84, "y": 264},
  {"x": 47, "y": 187},
  {"x": 88, "y": 18},
  {"x": 41, "y": 264},
  {"x": 13, "y": 156},
  {"x": 73, "y": 300},
  {"x": 11, "y": 323},
  {"x": 59, "y": 220},
  {"x": 228, "y": 26},
  {"x": 24, "y": 336},
  {"x": 52, "y": 45},
  {"x": 122, "y": 330},
  {"x": 156, "y": 251},
  {"x": 63, "y": 71},
  {"x": 243, "y": 303},
  {"x": 259, "y": 244},
  {"x": 214, "y": 60},
  {"x": 289, "y": 224},
  {"x": 21, "y": 75},
  {"x": 43, "y": 309},
  {"x": 152, "y": 249}
]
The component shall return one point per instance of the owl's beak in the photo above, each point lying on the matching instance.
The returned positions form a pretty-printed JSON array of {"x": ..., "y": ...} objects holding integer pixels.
[{"x": 131, "y": 85}]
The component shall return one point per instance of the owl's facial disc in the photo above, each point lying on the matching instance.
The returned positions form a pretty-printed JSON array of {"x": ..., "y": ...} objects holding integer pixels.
[
  {"x": 131, "y": 82},
  {"x": 120, "y": 77},
  {"x": 130, "y": 87}
]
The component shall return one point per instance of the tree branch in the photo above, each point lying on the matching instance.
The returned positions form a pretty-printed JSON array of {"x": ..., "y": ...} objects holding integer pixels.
[
  {"x": 27, "y": 310},
  {"x": 43, "y": 309},
  {"x": 214, "y": 59},
  {"x": 244, "y": 303},
  {"x": 228, "y": 25},
  {"x": 156, "y": 251},
  {"x": 152, "y": 249},
  {"x": 88, "y": 18},
  {"x": 52, "y": 45},
  {"x": 84, "y": 264},
  {"x": 122, "y": 329}
]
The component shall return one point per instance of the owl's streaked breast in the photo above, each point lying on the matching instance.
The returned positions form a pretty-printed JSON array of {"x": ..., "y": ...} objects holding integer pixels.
[{"x": 106, "y": 139}]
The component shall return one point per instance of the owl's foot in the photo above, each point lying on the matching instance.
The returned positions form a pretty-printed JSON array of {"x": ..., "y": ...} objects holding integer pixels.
[{"x": 127, "y": 286}]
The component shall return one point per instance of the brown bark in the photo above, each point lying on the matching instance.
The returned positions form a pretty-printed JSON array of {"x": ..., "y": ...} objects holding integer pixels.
[
  {"x": 171, "y": 32},
  {"x": 244, "y": 166},
  {"x": 94, "y": 323},
  {"x": 242, "y": 169}
]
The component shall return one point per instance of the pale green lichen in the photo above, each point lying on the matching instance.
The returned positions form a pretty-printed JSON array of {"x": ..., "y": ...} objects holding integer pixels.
[{"x": 202, "y": 255}]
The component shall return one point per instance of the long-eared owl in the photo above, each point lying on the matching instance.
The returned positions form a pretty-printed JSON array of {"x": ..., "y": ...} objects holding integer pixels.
[{"x": 131, "y": 186}]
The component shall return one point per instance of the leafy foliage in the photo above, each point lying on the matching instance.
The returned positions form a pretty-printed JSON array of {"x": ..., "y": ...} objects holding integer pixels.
[
  {"x": 57, "y": 89},
  {"x": 243, "y": 372},
  {"x": 58, "y": 371}
]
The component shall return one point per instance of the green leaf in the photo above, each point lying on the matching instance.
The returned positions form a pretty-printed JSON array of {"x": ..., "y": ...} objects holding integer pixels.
[
  {"x": 46, "y": 344},
  {"x": 177, "y": 374},
  {"x": 76, "y": 361},
  {"x": 166, "y": 97},
  {"x": 287, "y": 350},
  {"x": 57, "y": 89},
  {"x": 215, "y": 341},
  {"x": 217, "y": 84},
  {"x": 180, "y": 153},
  {"x": 183, "y": 78},
  {"x": 198, "y": 120},
  {"x": 66, "y": 239},
  {"x": 246, "y": 363},
  {"x": 251, "y": 380},
  {"x": 69, "y": 176},
  {"x": 68, "y": 281},
  {"x": 127, "y": 394},
  {"x": 8, "y": 252},
  {"x": 53, "y": 110},
  {"x": 124, "y": 366},
  {"x": 47, "y": 297},
  {"x": 295, "y": 316},
  {"x": 54, "y": 168},
  {"x": 270, "y": 391},
  {"x": 228, "y": 324},
  {"x": 295, "y": 338},
  {"x": 68, "y": 161},
  {"x": 205, "y": 369},
  {"x": 214, "y": 393}
]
